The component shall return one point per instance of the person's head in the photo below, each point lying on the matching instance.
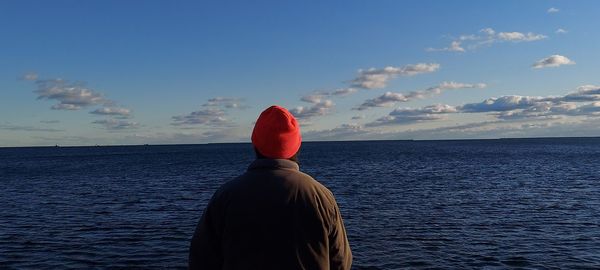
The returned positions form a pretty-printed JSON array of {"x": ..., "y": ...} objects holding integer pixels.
[{"x": 276, "y": 134}]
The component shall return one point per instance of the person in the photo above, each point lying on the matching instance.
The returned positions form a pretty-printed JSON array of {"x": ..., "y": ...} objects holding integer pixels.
[{"x": 273, "y": 216}]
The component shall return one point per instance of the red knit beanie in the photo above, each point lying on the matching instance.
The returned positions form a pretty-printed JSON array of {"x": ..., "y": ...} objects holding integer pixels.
[{"x": 276, "y": 133}]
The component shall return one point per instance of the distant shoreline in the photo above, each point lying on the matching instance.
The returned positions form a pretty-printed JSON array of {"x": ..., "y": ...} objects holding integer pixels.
[{"x": 406, "y": 140}]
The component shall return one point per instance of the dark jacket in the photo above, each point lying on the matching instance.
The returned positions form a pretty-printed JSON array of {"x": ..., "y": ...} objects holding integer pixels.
[{"x": 271, "y": 217}]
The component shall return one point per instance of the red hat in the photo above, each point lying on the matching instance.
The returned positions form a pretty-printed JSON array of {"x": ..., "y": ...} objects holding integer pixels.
[{"x": 276, "y": 133}]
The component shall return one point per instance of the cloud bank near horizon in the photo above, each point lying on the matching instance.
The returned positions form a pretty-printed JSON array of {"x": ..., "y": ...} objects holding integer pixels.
[{"x": 585, "y": 101}]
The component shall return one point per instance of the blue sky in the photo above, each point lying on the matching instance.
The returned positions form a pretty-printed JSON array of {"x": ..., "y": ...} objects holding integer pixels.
[{"x": 133, "y": 72}]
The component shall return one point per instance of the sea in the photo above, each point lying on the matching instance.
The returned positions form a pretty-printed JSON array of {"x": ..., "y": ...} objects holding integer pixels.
[{"x": 463, "y": 204}]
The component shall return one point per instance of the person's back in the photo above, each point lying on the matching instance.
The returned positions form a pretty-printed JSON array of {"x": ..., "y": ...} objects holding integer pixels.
[{"x": 271, "y": 217}]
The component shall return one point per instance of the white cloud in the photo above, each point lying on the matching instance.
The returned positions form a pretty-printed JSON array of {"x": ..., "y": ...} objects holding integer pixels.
[
  {"x": 385, "y": 100},
  {"x": 403, "y": 116},
  {"x": 584, "y": 93},
  {"x": 518, "y": 37},
  {"x": 454, "y": 47},
  {"x": 226, "y": 102},
  {"x": 66, "y": 107},
  {"x": 553, "y": 61},
  {"x": 573, "y": 114},
  {"x": 432, "y": 109},
  {"x": 210, "y": 117},
  {"x": 367, "y": 79},
  {"x": 584, "y": 102},
  {"x": 378, "y": 78},
  {"x": 113, "y": 111},
  {"x": 592, "y": 108},
  {"x": 319, "y": 108},
  {"x": 113, "y": 124},
  {"x": 321, "y": 105},
  {"x": 314, "y": 98},
  {"x": 321, "y": 96},
  {"x": 561, "y": 31},
  {"x": 511, "y": 129},
  {"x": 553, "y": 10},
  {"x": 504, "y": 103},
  {"x": 76, "y": 96},
  {"x": 214, "y": 113},
  {"x": 476, "y": 130},
  {"x": 31, "y": 76},
  {"x": 488, "y": 36},
  {"x": 436, "y": 90},
  {"x": 344, "y": 131},
  {"x": 539, "y": 111},
  {"x": 71, "y": 96},
  {"x": 488, "y": 31},
  {"x": 343, "y": 92},
  {"x": 527, "y": 117},
  {"x": 389, "y": 98}
]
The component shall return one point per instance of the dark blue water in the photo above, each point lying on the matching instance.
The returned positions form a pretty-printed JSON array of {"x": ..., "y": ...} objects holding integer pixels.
[{"x": 495, "y": 204}]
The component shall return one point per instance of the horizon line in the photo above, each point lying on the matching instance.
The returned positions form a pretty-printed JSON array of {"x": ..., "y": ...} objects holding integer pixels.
[{"x": 308, "y": 141}]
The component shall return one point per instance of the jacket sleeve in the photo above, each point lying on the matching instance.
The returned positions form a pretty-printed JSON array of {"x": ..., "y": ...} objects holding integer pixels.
[
  {"x": 205, "y": 248},
  {"x": 340, "y": 256}
]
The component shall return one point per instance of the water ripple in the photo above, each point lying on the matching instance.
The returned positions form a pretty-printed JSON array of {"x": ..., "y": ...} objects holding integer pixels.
[{"x": 522, "y": 204}]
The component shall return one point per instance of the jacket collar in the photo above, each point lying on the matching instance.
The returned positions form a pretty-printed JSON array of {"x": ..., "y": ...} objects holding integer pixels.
[{"x": 263, "y": 163}]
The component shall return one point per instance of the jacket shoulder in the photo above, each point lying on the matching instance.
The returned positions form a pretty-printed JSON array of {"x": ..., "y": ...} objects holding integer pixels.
[{"x": 318, "y": 185}]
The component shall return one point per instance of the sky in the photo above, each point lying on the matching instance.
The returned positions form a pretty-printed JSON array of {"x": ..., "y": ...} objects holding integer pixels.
[{"x": 178, "y": 72}]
